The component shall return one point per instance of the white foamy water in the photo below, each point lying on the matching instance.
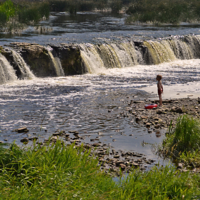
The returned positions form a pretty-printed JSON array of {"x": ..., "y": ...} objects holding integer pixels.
[
  {"x": 81, "y": 103},
  {"x": 179, "y": 76}
]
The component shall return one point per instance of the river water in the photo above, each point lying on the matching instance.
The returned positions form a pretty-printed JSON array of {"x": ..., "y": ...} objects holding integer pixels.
[{"x": 91, "y": 104}]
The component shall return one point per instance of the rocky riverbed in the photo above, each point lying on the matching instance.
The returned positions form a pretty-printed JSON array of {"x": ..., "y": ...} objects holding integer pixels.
[
  {"x": 155, "y": 120},
  {"x": 162, "y": 117}
]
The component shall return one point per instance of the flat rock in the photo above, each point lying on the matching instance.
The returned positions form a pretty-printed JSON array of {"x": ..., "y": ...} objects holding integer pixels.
[
  {"x": 138, "y": 102},
  {"x": 22, "y": 130},
  {"x": 134, "y": 164}
]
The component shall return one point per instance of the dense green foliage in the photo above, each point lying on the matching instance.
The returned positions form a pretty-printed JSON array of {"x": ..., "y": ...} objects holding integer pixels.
[
  {"x": 23, "y": 13},
  {"x": 7, "y": 10},
  {"x": 183, "y": 142},
  {"x": 169, "y": 11},
  {"x": 60, "y": 172},
  {"x": 116, "y": 6},
  {"x": 33, "y": 13}
]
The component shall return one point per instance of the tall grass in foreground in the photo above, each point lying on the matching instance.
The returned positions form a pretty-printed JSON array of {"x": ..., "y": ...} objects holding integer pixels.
[
  {"x": 184, "y": 141},
  {"x": 60, "y": 172}
]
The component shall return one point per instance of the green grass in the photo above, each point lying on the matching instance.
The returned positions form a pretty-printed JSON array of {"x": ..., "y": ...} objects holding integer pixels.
[
  {"x": 59, "y": 172},
  {"x": 183, "y": 142}
]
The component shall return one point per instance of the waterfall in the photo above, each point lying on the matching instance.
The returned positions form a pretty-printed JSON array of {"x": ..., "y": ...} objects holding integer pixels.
[
  {"x": 24, "y": 69},
  {"x": 56, "y": 64},
  {"x": 126, "y": 54},
  {"x": 160, "y": 51},
  {"x": 181, "y": 49},
  {"x": 91, "y": 58},
  {"x": 97, "y": 58},
  {"x": 7, "y": 72},
  {"x": 129, "y": 53}
]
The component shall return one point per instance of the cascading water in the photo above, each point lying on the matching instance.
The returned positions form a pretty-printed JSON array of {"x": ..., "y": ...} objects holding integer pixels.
[
  {"x": 181, "y": 49},
  {"x": 91, "y": 58},
  {"x": 56, "y": 64},
  {"x": 99, "y": 57},
  {"x": 125, "y": 54},
  {"x": 96, "y": 58},
  {"x": 7, "y": 72},
  {"x": 109, "y": 56},
  {"x": 23, "y": 67},
  {"x": 160, "y": 51}
]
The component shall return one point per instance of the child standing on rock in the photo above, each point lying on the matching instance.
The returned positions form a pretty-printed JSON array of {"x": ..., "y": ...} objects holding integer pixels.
[{"x": 160, "y": 88}]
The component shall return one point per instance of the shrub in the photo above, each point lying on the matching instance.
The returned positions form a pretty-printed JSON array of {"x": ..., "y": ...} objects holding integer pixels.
[
  {"x": 116, "y": 6},
  {"x": 33, "y": 13},
  {"x": 183, "y": 142},
  {"x": 86, "y": 6},
  {"x": 8, "y": 8},
  {"x": 59, "y": 6},
  {"x": 165, "y": 11},
  {"x": 3, "y": 18},
  {"x": 186, "y": 136}
]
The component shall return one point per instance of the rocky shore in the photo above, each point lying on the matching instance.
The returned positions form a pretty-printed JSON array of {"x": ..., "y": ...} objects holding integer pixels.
[
  {"x": 162, "y": 117},
  {"x": 154, "y": 120}
]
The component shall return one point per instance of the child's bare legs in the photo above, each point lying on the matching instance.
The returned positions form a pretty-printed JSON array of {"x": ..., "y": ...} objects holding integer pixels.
[{"x": 160, "y": 99}]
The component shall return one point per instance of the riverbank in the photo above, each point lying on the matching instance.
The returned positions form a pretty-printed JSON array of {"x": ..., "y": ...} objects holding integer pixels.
[
  {"x": 57, "y": 172},
  {"x": 112, "y": 160},
  {"x": 106, "y": 159}
]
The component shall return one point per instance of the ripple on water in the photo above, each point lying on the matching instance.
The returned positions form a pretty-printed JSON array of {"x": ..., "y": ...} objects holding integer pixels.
[{"x": 90, "y": 104}]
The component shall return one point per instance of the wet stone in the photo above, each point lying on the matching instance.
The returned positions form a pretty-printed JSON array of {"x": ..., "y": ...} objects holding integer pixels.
[
  {"x": 122, "y": 166},
  {"x": 96, "y": 145},
  {"x": 148, "y": 125},
  {"x": 24, "y": 140},
  {"x": 160, "y": 112},
  {"x": 67, "y": 135},
  {"x": 138, "y": 102},
  {"x": 119, "y": 162},
  {"x": 56, "y": 134},
  {"x": 53, "y": 139},
  {"x": 22, "y": 130},
  {"x": 157, "y": 126},
  {"x": 75, "y": 132},
  {"x": 33, "y": 138},
  {"x": 134, "y": 164},
  {"x": 180, "y": 166}
]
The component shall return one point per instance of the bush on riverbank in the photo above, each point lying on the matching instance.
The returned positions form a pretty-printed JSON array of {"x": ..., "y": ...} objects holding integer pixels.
[
  {"x": 13, "y": 17},
  {"x": 60, "y": 172},
  {"x": 78, "y": 5},
  {"x": 183, "y": 142},
  {"x": 34, "y": 13},
  {"x": 7, "y": 10},
  {"x": 159, "y": 11}
]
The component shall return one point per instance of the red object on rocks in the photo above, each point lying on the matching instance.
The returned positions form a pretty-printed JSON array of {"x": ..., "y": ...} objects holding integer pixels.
[{"x": 151, "y": 106}]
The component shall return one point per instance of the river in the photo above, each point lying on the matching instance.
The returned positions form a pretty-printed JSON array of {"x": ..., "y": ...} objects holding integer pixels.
[{"x": 91, "y": 103}]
